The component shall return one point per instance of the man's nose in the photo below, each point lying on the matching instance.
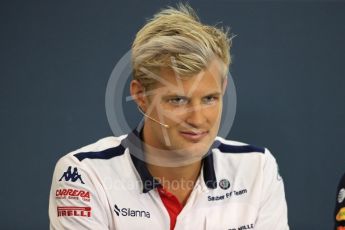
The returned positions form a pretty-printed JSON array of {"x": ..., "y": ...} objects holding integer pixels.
[{"x": 195, "y": 116}]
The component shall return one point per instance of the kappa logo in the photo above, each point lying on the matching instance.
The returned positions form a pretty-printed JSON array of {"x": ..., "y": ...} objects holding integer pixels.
[
  {"x": 130, "y": 212},
  {"x": 71, "y": 176}
]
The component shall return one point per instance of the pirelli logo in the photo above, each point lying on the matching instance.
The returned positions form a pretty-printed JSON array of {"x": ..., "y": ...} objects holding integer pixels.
[{"x": 74, "y": 211}]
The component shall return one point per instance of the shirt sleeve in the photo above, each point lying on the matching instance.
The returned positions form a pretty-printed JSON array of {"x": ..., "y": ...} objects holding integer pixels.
[
  {"x": 339, "y": 212},
  {"x": 273, "y": 208},
  {"x": 76, "y": 200}
]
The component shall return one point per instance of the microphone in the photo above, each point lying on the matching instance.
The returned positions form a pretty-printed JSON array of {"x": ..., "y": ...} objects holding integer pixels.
[{"x": 151, "y": 118}]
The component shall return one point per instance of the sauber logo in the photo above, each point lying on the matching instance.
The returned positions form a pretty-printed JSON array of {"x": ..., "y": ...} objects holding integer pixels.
[
  {"x": 72, "y": 194},
  {"x": 130, "y": 212},
  {"x": 74, "y": 211}
]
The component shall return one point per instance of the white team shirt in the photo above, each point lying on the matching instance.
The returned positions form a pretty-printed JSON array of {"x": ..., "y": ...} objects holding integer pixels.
[{"x": 104, "y": 186}]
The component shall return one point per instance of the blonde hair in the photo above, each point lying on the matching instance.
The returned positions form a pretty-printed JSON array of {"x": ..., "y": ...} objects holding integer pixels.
[{"x": 176, "y": 38}]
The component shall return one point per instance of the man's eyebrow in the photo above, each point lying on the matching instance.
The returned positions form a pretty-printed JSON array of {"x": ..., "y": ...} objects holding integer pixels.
[
  {"x": 172, "y": 94},
  {"x": 214, "y": 94}
]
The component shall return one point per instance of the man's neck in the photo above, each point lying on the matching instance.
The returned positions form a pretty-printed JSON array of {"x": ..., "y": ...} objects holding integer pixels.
[
  {"x": 177, "y": 179},
  {"x": 182, "y": 174}
]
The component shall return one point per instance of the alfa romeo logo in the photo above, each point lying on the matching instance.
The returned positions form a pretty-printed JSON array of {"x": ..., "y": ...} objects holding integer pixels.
[{"x": 224, "y": 184}]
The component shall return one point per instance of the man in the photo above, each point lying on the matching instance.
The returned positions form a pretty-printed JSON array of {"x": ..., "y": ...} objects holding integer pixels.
[
  {"x": 172, "y": 171},
  {"x": 339, "y": 211}
]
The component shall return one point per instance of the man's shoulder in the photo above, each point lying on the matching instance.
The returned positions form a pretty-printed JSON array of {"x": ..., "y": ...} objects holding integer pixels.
[
  {"x": 229, "y": 152},
  {"x": 104, "y": 148},
  {"x": 237, "y": 147}
]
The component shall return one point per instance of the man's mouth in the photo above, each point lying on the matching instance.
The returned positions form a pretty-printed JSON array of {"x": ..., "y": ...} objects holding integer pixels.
[{"x": 193, "y": 135}]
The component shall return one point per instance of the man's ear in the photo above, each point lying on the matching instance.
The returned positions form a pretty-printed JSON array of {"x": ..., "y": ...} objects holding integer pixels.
[
  {"x": 138, "y": 94},
  {"x": 225, "y": 83}
]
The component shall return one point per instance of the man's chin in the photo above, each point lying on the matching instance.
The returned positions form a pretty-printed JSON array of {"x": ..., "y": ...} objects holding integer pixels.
[
  {"x": 193, "y": 151},
  {"x": 173, "y": 161},
  {"x": 178, "y": 157},
  {"x": 197, "y": 147}
]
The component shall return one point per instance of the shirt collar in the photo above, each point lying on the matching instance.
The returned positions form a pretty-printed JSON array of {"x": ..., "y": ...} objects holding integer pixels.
[{"x": 134, "y": 143}]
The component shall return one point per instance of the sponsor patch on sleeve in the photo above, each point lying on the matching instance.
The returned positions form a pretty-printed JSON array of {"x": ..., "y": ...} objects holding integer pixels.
[
  {"x": 71, "y": 175},
  {"x": 341, "y": 215},
  {"x": 73, "y": 211},
  {"x": 72, "y": 194}
]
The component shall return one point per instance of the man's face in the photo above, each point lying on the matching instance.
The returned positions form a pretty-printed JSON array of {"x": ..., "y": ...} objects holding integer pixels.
[{"x": 192, "y": 108}]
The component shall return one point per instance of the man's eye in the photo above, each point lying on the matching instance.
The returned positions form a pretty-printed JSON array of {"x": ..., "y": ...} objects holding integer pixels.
[
  {"x": 210, "y": 99},
  {"x": 178, "y": 101}
]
